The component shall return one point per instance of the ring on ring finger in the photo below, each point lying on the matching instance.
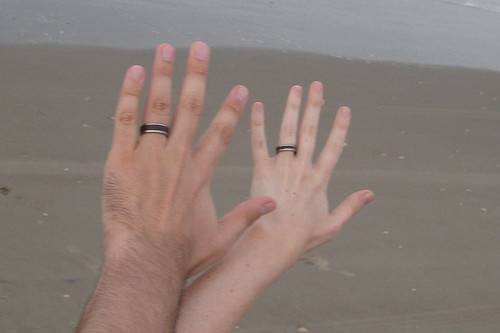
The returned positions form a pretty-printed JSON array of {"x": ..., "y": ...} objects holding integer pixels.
[
  {"x": 282, "y": 148},
  {"x": 156, "y": 128}
]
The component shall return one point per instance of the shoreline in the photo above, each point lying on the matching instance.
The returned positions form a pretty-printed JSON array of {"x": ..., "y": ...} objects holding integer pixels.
[{"x": 251, "y": 49}]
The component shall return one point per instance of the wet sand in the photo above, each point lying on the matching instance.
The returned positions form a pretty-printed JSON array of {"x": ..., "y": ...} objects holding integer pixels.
[{"x": 423, "y": 258}]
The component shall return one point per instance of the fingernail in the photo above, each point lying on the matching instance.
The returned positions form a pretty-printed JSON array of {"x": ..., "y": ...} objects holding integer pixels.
[
  {"x": 201, "y": 51},
  {"x": 297, "y": 90},
  {"x": 241, "y": 93},
  {"x": 267, "y": 207},
  {"x": 258, "y": 107},
  {"x": 345, "y": 111},
  {"x": 136, "y": 73},
  {"x": 318, "y": 86},
  {"x": 368, "y": 197},
  {"x": 167, "y": 53}
]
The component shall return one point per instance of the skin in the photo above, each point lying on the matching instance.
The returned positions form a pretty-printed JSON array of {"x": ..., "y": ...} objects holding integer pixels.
[
  {"x": 155, "y": 230},
  {"x": 217, "y": 300}
]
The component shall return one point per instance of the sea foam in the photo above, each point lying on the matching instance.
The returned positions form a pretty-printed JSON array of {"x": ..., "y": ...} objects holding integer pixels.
[{"x": 487, "y": 5}]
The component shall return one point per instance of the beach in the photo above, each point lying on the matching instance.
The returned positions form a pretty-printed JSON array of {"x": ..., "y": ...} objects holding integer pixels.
[
  {"x": 423, "y": 81},
  {"x": 422, "y": 258}
]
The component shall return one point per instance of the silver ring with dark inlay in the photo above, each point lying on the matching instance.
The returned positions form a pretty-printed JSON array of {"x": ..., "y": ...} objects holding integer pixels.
[
  {"x": 155, "y": 128},
  {"x": 292, "y": 148}
]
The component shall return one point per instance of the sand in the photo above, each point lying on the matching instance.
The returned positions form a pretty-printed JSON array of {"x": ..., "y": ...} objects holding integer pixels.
[{"x": 423, "y": 258}]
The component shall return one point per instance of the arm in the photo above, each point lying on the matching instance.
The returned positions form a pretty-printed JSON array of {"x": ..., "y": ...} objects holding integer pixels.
[
  {"x": 150, "y": 185},
  {"x": 138, "y": 292},
  {"x": 302, "y": 220}
]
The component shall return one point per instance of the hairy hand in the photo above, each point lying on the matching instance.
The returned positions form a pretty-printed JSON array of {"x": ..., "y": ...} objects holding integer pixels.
[
  {"x": 151, "y": 182},
  {"x": 159, "y": 219}
]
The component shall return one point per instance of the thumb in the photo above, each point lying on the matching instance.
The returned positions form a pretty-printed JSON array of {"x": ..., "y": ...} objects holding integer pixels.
[
  {"x": 339, "y": 216},
  {"x": 236, "y": 221}
]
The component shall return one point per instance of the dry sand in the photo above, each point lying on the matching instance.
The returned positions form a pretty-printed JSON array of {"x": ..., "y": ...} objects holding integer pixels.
[{"x": 423, "y": 258}]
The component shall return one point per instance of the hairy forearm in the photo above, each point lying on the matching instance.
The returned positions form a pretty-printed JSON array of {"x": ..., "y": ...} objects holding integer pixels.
[
  {"x": 218, "y": 300},
  {"x": 138, "y": 291}
]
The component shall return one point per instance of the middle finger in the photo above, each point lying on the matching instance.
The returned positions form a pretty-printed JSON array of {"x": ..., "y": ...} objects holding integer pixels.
[
  {"x": 192, "y": 97},
  {"x": 310, "y": 120}
]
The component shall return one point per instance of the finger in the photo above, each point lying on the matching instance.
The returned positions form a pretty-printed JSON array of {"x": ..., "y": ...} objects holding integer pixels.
[
  {"x": 288, "y": 133},
  {"x": 259, "y": 141},
  {"x": 125, "y": 131},
  {"x": 158, "y": 105},
  {"x": 192, "y": 96},
  {"x": 309, "y": 126},
  {"x": 335, "y": 143},
  {"x": 214, "y": 142},
  {"x": 234, "y": 223},
  {"x": 340, "y": 215}
]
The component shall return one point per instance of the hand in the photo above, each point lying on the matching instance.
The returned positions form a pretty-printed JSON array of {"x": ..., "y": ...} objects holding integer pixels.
[
  {"x": 301, "y": 221},
  {"x": 298, "y": 185},
  {"x": 214, "y": 236},
  {"x": 151, "y": 183},
  {"x": 149, "y": 188}
]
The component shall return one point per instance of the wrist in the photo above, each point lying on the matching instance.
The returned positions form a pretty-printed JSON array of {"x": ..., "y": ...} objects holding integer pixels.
[
  {"x": 159, "y": 257},
  {"x": 269, "y": 235},
  {"x": 279, "y": 249},
  {"x": 141, "y": 282}
]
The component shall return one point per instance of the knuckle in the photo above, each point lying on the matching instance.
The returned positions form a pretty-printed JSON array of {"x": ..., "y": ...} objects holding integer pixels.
[
  {"x": 160, "y": 105},
  {"x": 316, "y": 181},
  {"x": 193, "y": 104},
  {"x": 257, "y": 122},
  {"x": 226, "y": 134},
  {"x": 325, "y": 174},
  {"x": 200, "y": 69},
  {"x": 126, "y": 118},
  {"x": 317, "y": 103},
  {"x": 131, "y": 90},
  {"x": 234, "y": 107},
  {"x": 164, "y": 69},
  {"x": 258, "y": 143},
  {"x": 337, "y": 146}
]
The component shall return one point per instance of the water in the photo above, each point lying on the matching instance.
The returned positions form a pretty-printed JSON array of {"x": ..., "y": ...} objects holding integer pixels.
[{"x": 450, "y": 32}]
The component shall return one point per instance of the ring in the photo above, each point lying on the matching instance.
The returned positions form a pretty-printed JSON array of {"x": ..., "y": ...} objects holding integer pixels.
[
  {"x": 292, "y": 148},
  {"x": 155, "y": 128}
]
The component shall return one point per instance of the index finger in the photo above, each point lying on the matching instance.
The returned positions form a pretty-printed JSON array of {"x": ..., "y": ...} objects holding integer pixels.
[
  {"x": 214, "y": 142},
  {"x": 335, "y": 143}
]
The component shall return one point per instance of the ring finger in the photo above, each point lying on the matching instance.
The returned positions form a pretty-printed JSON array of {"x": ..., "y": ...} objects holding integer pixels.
[
  {"x": 158, "y": 105},
  {"x": 288, "y": 132}
]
